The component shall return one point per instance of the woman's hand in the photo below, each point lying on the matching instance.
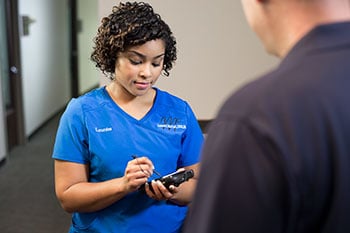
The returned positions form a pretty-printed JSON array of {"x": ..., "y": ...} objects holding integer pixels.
[
  {"x": 181, "y": 195},
  {"x": 137, "y": 173},
  {"x": 160, "y": 192}
]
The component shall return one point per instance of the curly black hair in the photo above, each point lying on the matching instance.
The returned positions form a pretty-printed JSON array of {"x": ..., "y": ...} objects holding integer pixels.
[{"x": 131, "y": 24}]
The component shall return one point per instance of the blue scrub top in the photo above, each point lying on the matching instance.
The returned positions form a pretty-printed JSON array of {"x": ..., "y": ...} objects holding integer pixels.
[{"x": 94, "y": 130}]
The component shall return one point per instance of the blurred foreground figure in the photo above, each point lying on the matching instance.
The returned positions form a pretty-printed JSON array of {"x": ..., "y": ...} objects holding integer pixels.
[{"x": 277, "y": 157}]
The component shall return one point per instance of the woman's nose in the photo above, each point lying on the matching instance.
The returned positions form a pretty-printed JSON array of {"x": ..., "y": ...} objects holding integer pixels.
[{"x": 146, "y": 70}]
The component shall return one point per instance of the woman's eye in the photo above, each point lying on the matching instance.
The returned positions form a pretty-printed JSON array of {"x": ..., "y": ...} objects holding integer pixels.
[
  {"x": 134, "y": 62},
  {"x": 155, "y": 64}
]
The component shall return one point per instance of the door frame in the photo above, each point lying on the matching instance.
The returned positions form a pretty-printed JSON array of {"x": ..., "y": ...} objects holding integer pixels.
[
  {"x": 74, "y": 53},
  {"x": 14, "y": 112}
]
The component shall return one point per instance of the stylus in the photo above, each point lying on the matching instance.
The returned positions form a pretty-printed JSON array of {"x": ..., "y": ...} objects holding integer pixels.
[{"x": 154, "y": 170}]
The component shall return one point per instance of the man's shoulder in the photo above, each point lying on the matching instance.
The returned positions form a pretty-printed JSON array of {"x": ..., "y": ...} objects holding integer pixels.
[
  {"x": 253, "y": 92},
  {"x": 271, "y": 92}
]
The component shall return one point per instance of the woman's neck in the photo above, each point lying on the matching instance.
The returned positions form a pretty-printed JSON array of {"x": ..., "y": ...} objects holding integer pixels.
[{"x": 136, "y": 106}]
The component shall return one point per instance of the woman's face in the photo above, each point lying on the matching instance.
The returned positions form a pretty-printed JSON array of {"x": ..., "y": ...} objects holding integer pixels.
[{"x": 138, "y": 68}]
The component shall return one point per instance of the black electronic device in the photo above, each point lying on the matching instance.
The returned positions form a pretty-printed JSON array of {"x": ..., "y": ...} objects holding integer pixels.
[{"x": 175, "y": 178}]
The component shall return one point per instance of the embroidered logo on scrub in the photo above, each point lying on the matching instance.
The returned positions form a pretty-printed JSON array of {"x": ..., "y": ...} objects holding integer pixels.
[
  {"x": 103, "y": 130},
  {"x": 170, "y": 123}
]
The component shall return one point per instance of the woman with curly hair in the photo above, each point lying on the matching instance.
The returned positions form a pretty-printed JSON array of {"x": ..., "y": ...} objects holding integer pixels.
[{"x": 111, "y": 140}]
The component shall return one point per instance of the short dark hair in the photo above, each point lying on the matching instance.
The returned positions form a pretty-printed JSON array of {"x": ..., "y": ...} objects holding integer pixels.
[{"x": 131, "y": 24}]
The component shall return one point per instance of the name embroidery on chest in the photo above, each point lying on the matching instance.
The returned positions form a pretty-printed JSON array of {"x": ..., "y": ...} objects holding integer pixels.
[{"x": 103, "y": 130}]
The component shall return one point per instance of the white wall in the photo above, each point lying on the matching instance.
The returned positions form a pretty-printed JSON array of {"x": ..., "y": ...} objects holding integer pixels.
[
  {"x": 217, "y": 51},
  {"x": 88, "y": 16},
  {"x": 45, "y": 61}
]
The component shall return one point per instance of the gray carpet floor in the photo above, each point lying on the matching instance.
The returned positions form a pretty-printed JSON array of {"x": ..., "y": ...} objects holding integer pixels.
[{"x": 27, "y": 199}]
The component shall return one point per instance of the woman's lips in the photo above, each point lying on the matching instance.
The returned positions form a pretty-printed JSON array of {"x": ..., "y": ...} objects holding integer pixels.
[{"x": 142, "y": 85}]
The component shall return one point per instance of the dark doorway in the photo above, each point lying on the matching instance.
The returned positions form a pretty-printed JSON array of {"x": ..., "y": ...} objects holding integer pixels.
[{"x": 12, "y": 76}]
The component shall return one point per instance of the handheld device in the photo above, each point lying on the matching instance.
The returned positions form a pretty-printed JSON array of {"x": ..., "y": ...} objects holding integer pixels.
[{"x": 175, "y": 178}]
